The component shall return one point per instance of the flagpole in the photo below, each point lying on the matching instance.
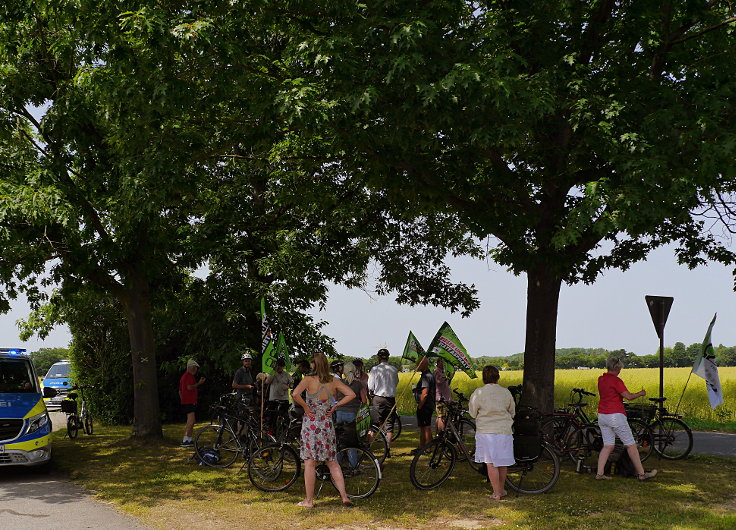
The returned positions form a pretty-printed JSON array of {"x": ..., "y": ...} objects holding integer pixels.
[{"x": 677, "y": 408}]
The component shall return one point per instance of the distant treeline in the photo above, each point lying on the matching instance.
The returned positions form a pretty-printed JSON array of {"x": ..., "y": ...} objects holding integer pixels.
[{"x": 678, "y": 355}]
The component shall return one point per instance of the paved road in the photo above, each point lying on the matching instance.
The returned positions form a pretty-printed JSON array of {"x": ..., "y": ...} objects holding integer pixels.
[{"x": 30, "y": 500}]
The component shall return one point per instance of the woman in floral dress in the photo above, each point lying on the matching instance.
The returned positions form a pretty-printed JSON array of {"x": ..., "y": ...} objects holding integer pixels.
[{"x": 318, "y": 431}]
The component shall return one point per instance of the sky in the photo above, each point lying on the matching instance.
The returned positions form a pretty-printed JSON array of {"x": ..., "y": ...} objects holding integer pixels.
[{"x": 609, "y": 314}]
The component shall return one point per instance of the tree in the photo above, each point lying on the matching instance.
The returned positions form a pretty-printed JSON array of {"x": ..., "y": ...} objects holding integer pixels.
[
  {"x": 137, "y": 145},
  {"x": 572, "y": 138}
]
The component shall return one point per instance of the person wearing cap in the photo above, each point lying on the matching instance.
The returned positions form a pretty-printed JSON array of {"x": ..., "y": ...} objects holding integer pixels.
[
  {"x": 382, "y": 382},
  {"x": 337, "y": 367},
  {"x": 188, "y": 394},
  {"x": 243, "y": 381}
]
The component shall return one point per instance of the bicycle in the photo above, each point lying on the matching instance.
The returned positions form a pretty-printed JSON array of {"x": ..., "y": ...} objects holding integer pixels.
[
  {"x": 571, "y": 432},
  {"x": 671, "y": 437},
  {"x": 276, "y": 466},
  {"x": 465, "y": 427},
  {"x": 220, "y": 445},
  {"x": 433, "y": 464},
  {"x": 75, "y": 421}
]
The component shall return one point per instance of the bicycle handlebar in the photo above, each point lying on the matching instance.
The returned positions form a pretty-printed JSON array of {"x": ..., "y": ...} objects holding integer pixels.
[{"x": 582, "y": 392}]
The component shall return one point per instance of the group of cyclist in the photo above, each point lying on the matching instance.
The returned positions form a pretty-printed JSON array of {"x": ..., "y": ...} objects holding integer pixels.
[{"x": 325, "y": 395}]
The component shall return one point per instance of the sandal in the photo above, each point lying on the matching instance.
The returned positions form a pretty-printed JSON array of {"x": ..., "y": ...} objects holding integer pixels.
[
  {"x": 496, "y": 497},
  {"x": 647, "y": 475},
  {"x": 603, "y": 477},
  {"x": 348, "y": 504}
]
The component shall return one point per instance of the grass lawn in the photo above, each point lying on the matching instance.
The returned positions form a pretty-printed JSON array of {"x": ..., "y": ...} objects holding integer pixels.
[{"x": 159, "y": 483}]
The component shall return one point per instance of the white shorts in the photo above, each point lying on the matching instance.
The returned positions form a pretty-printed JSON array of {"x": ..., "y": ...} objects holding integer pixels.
[
  {"x": 496, "y": 449},
  {"x": 613, "y": 425}
]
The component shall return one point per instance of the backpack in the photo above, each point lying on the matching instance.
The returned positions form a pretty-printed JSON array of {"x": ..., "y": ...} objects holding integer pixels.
[{"x": 619, "y": 463}]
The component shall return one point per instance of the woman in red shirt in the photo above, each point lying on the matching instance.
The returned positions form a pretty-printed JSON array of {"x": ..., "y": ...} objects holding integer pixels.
[{"x": 612, "y": 419}]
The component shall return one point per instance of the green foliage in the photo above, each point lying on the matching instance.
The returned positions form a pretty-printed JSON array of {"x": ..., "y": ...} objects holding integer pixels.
[{"x": 575, "y": 138}]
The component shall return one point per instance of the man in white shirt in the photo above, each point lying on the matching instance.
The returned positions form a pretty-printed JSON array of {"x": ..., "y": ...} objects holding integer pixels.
[
  {"x": 382, "y": 382},
  {"x": 278, "y": 394}
]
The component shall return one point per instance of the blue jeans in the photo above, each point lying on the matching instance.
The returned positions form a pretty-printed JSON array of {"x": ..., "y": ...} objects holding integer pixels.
[{"x": 342, "y": 416}]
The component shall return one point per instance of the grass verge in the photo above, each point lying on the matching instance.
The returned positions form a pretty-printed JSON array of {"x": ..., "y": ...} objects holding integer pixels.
[{"x": 159, "y": 483}]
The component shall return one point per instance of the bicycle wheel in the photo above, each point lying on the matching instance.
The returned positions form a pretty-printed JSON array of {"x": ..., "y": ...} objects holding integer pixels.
[
  {"x": 216, "y": 446},
  {"x": 397, "y": 426},
  {"x": 274, "y": 467},
  {"x": 88, "y": 425},
  {"x": 72, "y": 426},
  {"x": 672, "y": 438},
  {"x": 583, "y": 446},
  {"x": 466, "y": 431},
  {"x": 535, "y": 477},
  {"x": 642, "y": 437},
  {"x": 553, "y": 431},
  {"x": 432, "y": 464},
  {"x": 379, "y": 445},
  {"x": 361, "y": 472}
]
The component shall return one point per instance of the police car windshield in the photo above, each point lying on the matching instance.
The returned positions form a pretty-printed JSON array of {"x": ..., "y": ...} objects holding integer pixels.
[
  {"x": 58, "y": 371},
  {"x": 16, "y": 376}
]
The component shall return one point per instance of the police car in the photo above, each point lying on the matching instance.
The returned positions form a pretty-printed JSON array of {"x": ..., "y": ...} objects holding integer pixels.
[
  {"x": 25, "y": 426},
  {"x": 58, "y": 378}
]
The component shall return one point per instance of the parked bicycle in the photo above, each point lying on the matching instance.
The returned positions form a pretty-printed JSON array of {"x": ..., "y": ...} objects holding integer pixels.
[
  {"x": 671, "y": 437},
  {"x": 275, "y": 467},
  {"x": 433, "y": 463},
  {"x": 219, "y": 445},
  {"x": 458, "y": 415},
  {"x": 572, "y": 433},
  {"x": 76, "y": 421}
]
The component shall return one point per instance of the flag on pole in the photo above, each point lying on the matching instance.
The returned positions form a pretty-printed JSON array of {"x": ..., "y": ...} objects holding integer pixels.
[
  {"x": 448, "y": 347},
  {"x": 706, "y": 368},
  {"x": 282, "y": 350},
  {"x": 413, "y": 350},
  {"x": 268, "y": 345}
]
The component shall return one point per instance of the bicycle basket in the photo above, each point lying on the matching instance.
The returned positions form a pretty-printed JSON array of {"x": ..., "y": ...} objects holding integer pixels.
[
  {"x": 69, "y": 406},
  {"x": 640, "y": 411}
]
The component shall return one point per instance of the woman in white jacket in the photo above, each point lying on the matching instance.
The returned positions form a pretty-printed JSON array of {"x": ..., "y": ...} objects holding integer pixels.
[{"x": 493, "y": 408}]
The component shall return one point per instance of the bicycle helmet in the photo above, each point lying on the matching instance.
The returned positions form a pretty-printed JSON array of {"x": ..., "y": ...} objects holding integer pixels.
[
  {"x": 382, "y": 353},
  {"x": 336, "y": 365},
  {"x": 209, "y": 457},
  {"x": 246, "y": 356}
]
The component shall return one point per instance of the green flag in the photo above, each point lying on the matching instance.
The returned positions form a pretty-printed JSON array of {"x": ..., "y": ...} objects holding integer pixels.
[
  {"x": 447, "y": 346},
  {"x": 268, "y": 346},
  {"x": 282, "y": 350},
  {"x": 413, "y": 350}
]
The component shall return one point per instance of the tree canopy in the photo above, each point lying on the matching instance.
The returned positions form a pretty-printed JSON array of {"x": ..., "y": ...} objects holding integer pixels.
[{"x": 574, "y": 138}]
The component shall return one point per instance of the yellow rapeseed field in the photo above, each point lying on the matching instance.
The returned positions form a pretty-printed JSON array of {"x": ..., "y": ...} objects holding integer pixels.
[{"x": 694, "y": 402}]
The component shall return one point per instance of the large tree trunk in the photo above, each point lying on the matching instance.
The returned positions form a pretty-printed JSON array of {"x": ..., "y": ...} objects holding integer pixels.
[
  {"x": 543, "y": 294},
  {"x": 146, "y": 412}
]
